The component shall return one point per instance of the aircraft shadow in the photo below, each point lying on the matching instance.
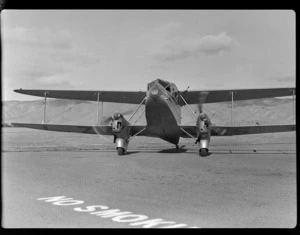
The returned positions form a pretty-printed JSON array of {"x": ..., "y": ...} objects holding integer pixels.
[
  {"x": 259, "y": 152},
  {"x": 249, "y": 144},
  {"x": 173, "y": 150},
  {"x": 217, "y": 152},
  {"x": 131, "y": 152}
]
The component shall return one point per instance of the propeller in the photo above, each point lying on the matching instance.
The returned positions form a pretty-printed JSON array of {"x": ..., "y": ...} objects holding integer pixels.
[
  {"x": 107, "y": 119},
  {"x": 200, "y": 108},
  {"x": 202, "y": 99}
]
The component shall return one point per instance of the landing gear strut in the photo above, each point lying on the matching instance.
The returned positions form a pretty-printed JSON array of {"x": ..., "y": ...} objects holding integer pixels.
[{"x": 177, "y": 146}]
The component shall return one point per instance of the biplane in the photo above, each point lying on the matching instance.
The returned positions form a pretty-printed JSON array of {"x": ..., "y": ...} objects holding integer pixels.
[{"x": 163, "y": 103}]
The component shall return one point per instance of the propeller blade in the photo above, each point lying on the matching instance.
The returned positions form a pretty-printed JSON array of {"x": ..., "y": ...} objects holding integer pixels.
[
  {"x": 107, "y": 119},
  {"x": 200, "y": 108},
  {"x": 126, "y": 112},
  {"x": 202, "y": 100}
]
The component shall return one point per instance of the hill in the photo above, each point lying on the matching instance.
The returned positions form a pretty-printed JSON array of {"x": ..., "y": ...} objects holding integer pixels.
[{"x": 248, "y": 112}]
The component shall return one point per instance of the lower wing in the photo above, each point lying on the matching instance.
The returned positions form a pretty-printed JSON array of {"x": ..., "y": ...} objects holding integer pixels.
[
  {"x": 100, "y": 130},
  {"x": 187, "y": 131},
  {"x": 238, "y": 130}
]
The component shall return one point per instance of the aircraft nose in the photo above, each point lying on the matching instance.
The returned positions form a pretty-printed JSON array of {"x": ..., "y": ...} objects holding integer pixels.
[{"x": 154, "y": 92}]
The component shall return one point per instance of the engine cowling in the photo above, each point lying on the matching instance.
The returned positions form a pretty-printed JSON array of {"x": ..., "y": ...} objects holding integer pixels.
[
  {"x": 203, "y": 133},
  {"x": 120, "y": 125},
  {"x": 203, "y": 124},
  {"x": 122, "y": 131}
]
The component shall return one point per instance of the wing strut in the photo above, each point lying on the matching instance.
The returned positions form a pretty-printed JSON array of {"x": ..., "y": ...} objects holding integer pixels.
[
  {"x": 231, "y": 105},
  {"x": 131, "y": 137},
  {"x": 188, "y": 133},
  {"x": 45, "y": 106},
  {"x": 189, "y": 107},
  {"x": 139, "y": 116},
  {"x": 137, "y": 108},
  {"x": 294, "y": 106},
  {"x": 98, "y": 99}
]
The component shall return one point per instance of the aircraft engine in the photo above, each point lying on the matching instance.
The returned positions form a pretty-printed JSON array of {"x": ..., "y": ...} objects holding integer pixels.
[
  {"x": 121, "y": 129},
  {"x": 203, "y": 133}
]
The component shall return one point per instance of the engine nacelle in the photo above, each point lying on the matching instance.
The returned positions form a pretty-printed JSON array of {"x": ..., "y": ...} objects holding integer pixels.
[
  {"x": 120, "y": 127},
  {"x": 117, "y": 126},
  {"x": 203, "y": 133},
  {"x": 122, "y": 132},
  {"x": 203, "y": 124}
]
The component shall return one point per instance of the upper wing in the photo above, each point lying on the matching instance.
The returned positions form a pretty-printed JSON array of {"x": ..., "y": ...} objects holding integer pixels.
[
  {"x": 100, "y": 130},
  {"x": 214, "y": 96},
  {"x": 131, "y": 97},
  {"x": 238, "y": 130}
]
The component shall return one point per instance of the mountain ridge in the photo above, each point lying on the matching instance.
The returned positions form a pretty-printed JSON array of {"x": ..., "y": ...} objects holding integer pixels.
[{"x": 59, "y": 111}]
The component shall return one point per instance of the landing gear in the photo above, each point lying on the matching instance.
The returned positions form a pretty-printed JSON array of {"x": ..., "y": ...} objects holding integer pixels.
[
  {"x": 177, "y": 146},
  {"x": 203, "y": 152},
  {"x": 121, "y": 151},
  {"x": 121, "y": 146}
]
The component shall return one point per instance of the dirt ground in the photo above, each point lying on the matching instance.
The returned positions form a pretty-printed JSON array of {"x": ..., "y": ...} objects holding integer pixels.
[{"x": 246, "y": 181}]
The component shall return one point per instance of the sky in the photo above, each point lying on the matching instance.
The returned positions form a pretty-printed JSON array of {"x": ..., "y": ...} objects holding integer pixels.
[{"x": 126, "y": 49}]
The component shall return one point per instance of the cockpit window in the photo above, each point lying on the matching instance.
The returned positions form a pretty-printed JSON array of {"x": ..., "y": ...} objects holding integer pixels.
[{"x": 170, "y": 87}]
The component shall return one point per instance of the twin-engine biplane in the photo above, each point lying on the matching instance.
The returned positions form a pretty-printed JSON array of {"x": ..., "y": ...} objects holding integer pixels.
[{"x": 163, "y": 102}]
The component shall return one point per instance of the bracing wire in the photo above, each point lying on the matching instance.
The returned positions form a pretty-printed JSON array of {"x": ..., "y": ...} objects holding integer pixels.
[
  {"x": 255, "y": 112},
  {"x": 53, "y": 117},
  {"x": 220, "y": 106}
]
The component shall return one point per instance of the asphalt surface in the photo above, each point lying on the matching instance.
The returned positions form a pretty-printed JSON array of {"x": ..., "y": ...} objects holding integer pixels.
[{"x": 246, "y": 182}]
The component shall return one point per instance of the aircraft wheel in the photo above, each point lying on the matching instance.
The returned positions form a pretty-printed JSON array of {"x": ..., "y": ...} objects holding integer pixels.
[
  {"x": 121, "y": 151},
  {"x": 203, "y": 152}
]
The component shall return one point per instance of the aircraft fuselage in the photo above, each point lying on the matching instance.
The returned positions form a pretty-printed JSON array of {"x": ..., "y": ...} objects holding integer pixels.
[{"x": 163, "y": 113}]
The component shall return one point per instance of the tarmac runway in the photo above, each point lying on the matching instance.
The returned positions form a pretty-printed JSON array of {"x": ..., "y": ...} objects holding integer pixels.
[{"x": 64, "y": 180}]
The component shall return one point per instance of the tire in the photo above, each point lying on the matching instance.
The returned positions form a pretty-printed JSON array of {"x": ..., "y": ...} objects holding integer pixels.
[
  {"x": 203, "y": 152},
  {"x": 121, "y": 151}
]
